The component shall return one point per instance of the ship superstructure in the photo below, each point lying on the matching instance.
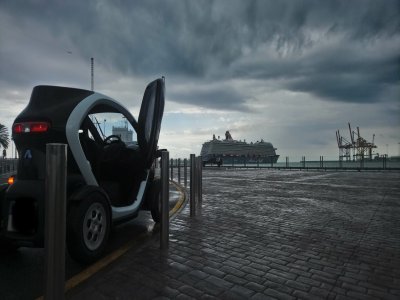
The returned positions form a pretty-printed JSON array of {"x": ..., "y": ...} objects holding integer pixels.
[{"x": 229, "y": 150}]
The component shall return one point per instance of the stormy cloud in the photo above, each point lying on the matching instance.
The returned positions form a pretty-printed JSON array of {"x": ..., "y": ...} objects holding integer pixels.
[
  {"x": 237, "y": 56},
  {"x": 318, "y": 45}
]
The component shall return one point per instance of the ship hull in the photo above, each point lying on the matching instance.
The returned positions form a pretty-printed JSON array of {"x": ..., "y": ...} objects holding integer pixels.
[
  {"x": 239, "y": 160},
  {"x": 230, "y": 152}
]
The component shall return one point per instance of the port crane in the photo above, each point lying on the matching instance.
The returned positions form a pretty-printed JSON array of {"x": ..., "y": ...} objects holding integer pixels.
[
  {"x": 358, "y": 147},
  {"x": 344, "y": 147}
]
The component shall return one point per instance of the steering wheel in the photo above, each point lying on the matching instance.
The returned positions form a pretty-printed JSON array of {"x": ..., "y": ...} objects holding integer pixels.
[
  {"x": 111, "y": 139},
  {"x": 113, "y": 147}
]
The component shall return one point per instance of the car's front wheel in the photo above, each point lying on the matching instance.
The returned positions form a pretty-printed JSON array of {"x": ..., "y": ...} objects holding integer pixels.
[{"x": 88, "y": 228}]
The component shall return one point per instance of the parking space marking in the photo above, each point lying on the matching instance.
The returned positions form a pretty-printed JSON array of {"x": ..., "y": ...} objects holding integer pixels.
[{"x": 179, "y": 203}]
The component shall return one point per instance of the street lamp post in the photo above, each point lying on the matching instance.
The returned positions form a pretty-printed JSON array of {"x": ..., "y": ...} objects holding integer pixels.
[{"x": 92, "y": 73}]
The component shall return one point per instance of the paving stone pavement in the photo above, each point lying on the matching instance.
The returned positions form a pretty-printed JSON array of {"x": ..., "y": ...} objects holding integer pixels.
[{"x": 270, "y": 234}]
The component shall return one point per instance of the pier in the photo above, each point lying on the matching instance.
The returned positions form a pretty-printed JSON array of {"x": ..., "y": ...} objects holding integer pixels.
[{"x": 269, "y": 234}]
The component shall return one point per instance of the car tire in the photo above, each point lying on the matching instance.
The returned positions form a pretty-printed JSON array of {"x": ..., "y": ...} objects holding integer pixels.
[
  {"x": 155, "y": 200},
  {"x": 88, "y": 228}
]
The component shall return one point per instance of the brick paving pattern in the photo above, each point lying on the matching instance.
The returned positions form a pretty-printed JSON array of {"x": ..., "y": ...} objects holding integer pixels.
[{"x": 271, "y": 235}]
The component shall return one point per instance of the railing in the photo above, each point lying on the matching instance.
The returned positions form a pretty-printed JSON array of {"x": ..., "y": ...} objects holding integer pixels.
[
  {"x": 195, "y": 166},
  {"x": 176, "y": 166},
  {"x": 8, "y": 165},
  {"x": 383, "y": 163}
]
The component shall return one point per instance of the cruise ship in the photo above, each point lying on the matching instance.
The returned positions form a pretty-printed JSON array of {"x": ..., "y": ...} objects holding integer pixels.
[{"x": 230, "y": 151}]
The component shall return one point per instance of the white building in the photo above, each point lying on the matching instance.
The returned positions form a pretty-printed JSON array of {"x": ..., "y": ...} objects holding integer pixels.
[{"x": 124, "y": 133}]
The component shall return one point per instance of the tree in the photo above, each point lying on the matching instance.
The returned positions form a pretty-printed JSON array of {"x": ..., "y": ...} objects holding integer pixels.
[{"x": 4, "y": 139}]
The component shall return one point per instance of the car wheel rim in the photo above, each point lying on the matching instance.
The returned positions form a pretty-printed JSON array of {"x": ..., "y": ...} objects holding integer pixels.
[{"x": 94, "y": 226}]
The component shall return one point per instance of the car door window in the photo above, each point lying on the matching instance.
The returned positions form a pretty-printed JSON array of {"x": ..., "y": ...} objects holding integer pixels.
[
  {"x": 111, "y": 123},
  {"x": 150, "y": 116}
]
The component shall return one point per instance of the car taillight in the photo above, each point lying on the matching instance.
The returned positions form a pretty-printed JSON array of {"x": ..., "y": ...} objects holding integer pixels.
[
  {"x": 18, "y": 128},
  {"x": 10, "y": 180},
  {"x": 39, "y": 127},
  {"x": 28, "y": 127}
]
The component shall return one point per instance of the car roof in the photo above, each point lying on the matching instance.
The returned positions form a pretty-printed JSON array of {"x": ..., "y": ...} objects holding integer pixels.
[
  {"x": 55, "y": 104},
  {"x": 52, "y": 103}
]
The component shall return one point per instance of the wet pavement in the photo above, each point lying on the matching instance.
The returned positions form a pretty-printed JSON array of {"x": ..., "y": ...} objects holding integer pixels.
[{"x": 269, "y": 234}]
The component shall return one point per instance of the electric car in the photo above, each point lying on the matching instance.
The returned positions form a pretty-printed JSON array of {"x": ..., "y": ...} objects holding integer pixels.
[{"x": 109, "y": 177}]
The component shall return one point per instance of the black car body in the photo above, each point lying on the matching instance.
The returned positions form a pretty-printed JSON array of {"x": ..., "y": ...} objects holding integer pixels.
[{"x": 108, "y": 180}]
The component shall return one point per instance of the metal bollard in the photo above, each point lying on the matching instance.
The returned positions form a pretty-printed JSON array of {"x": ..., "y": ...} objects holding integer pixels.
[
  {"x": 199, "y": 182},
  {"x": 192, "y": 185},
  {"x": 164, "y": 239},
  {"x": 179, "y": 170},
  {"x": 172, "y": 169},
  {"x": 185, "y": 171},
  {"x": 55, "y": 220}
]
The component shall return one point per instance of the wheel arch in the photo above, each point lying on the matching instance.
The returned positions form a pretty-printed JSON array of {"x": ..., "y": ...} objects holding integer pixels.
[{"x": 81, "y": 193}]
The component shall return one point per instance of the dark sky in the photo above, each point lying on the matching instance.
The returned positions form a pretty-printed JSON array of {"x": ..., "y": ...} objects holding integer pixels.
[{"x": 291, "y": 72}]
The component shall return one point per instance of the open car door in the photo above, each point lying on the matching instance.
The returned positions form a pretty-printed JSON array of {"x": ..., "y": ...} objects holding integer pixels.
[{"x": 149, "y": 122}]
